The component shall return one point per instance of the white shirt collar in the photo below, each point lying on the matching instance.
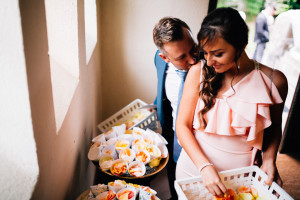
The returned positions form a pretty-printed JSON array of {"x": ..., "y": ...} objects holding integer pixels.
[{"x": 173, "y": 68}]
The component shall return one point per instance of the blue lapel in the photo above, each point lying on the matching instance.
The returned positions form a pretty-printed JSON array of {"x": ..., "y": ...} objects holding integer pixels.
[{"x": 161, "y": 67}]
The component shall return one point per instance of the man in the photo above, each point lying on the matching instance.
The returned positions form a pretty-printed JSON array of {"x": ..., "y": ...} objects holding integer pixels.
[
  {"x": 176, "y": 53},
  {"x": 263, "y": 20}
]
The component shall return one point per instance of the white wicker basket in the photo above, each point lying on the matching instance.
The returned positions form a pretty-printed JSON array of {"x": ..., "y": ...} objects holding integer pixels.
[
  {"x": 253, "y": 176},
  {"x": 125, "y": 113}
]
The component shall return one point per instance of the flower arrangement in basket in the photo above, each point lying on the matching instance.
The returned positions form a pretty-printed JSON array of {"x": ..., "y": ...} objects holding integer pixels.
[
  {"x": 131, "y": 115},
  {"x": 120, "y": 190},
  {"x": 129, "y": 153},
  {"x": 246, "y": 183}
]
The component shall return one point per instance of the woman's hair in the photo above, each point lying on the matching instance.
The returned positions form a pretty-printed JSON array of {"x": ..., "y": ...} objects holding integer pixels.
[{"x": 227, "y": 24}]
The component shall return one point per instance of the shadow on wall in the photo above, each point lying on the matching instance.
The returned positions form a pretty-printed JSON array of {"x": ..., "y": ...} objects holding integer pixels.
[
  {"x": 39, "y": 80},
  {"x": 64, "y": 169},
  {"x": 81, "y": 170}
]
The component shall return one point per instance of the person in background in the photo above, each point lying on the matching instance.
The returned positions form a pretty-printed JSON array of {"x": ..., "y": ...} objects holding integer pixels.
[
  {"x": 262, "y": 30},
  {"x": 231, "y": 106},
  {"x": 175, "y": 55}
]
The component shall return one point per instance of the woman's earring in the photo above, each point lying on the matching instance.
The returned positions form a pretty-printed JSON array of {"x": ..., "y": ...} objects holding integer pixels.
[{"x": 238, "y": 66}]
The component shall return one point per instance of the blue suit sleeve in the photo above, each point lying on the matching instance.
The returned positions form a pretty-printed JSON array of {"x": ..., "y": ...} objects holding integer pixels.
[
  {"x": 155, "y": 63},
  {"x": 155, "y": 101}
]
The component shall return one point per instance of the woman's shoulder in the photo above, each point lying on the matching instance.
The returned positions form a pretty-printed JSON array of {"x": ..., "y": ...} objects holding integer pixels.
[
  {"x": 194, "y": 74},
  {"x": 277, "y": 77},
  {"x": 197, "y": 67}
]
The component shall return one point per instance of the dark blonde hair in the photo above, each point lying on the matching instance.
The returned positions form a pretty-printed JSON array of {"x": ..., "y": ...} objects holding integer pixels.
[
  {"x": 229, "y": 25},
  {"x": 168, "y": 29}
]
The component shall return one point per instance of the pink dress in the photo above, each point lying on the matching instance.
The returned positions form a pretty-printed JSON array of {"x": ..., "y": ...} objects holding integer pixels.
[{"x": 235, "y": 125}]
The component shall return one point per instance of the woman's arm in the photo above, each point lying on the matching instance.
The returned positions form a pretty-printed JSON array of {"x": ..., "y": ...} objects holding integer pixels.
[
  {"x": 184, "y": 126},
  {"x": 273, "y": 134}
]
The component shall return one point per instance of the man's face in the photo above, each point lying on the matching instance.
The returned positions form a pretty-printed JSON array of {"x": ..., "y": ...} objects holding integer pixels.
[
  {"x": 271, "y": 10},
  {"x": 182, "y": 54}
]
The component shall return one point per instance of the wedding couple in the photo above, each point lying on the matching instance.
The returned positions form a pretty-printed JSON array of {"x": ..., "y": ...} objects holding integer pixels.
[{"x": 230, "y": 106}]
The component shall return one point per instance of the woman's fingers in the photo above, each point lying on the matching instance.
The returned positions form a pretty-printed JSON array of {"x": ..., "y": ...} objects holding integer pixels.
[
  {"x": 212, "y": 181},
  {"x": 211, "y": 190},
  {"x": 223, "y": 188},
  {"x": 272, "y": 173},
  {"x": 276, "y": 178},
  {"x": 217, "y": 190},
  {"x": 269, "y": 179}
]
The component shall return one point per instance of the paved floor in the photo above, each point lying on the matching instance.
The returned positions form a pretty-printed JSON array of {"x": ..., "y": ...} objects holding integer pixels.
[{"x": 161, "y": 185}]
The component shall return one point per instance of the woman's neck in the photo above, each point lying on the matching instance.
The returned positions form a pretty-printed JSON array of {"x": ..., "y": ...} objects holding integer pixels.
[
  {"x": 246, "y": 64},
  {"x": 243, "y": 66}
]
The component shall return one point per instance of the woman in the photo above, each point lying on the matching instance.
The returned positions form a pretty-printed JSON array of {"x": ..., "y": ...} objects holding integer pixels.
[{"x": 231, "y": 106}]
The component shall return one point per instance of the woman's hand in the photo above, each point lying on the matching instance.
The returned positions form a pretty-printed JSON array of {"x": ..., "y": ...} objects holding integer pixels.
[
  {"x": 269, "y": 167},
  {"x": 212, "y": 181}
]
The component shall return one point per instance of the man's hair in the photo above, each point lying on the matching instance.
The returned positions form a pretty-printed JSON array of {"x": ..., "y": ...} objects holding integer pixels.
[
  {"x": 270, "y": 4},
  {"x": 168, "y": 29}
]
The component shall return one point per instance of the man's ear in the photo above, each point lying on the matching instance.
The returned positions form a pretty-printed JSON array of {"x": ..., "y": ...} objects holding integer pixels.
[{"x": 164, "y": 57}]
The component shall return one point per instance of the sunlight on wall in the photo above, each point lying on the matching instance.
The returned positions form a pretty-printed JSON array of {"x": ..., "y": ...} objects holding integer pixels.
[
  {"x": 62, "y": 26},
  {"x": 19, "y": 166},
  {"x": 90, "y": 27}
]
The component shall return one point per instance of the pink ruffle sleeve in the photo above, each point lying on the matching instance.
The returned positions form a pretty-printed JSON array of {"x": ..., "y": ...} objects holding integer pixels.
[{"x": 245, "y": 111}]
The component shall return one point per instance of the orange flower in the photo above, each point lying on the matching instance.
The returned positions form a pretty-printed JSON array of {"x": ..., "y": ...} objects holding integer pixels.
[
  {"x": 110, "y": 195},
  {"x": 229, "y": 196},
  {"x": 119, "y": 169},
  {"x": 127, "y": 194},
  {"x": 141, "y": 156}
]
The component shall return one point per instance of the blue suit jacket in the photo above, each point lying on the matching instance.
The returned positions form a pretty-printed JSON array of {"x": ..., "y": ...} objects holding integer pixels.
[{"x": 164, "y": 109}]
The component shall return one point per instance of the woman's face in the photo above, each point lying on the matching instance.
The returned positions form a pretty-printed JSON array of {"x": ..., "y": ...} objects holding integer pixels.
[{"x": 219, "y": 54}]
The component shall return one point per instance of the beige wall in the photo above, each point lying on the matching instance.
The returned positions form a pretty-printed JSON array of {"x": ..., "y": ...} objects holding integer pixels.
[
  {"x": 18, "y": 159},
  {"x": 127, "y": 64}
]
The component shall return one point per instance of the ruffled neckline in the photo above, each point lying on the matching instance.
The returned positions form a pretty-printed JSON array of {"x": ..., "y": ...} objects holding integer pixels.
[
  {"x": 230, "y": 90},
  {"x": 244, "y": 109}
]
